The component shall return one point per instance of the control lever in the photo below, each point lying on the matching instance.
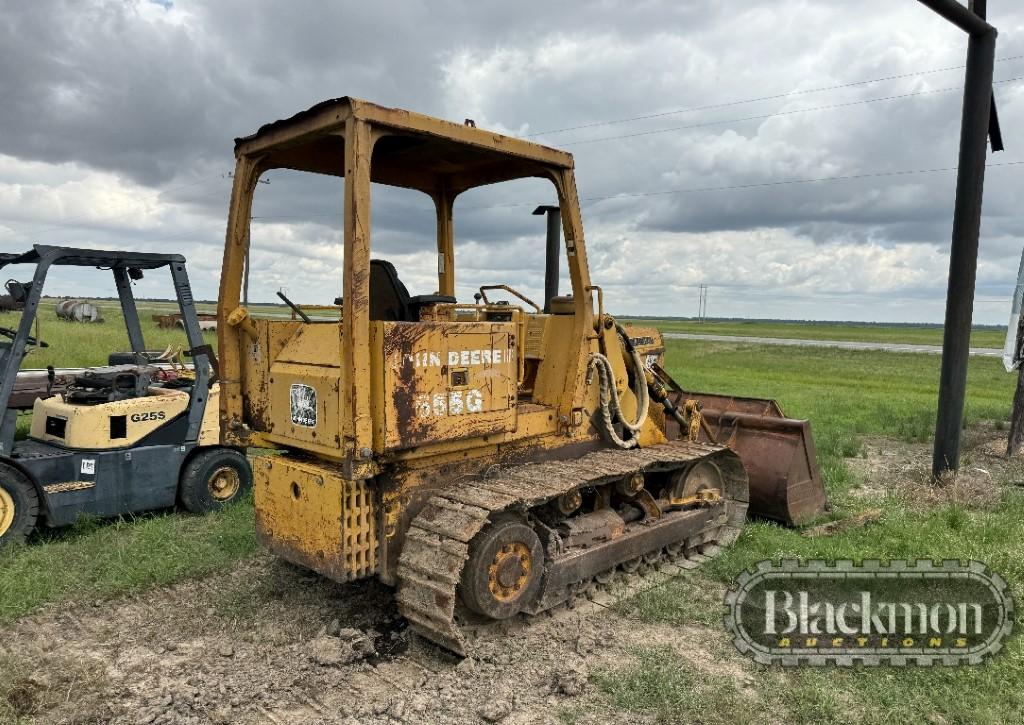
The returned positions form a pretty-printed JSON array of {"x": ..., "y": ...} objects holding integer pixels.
[{"x": 295, "y": 307}]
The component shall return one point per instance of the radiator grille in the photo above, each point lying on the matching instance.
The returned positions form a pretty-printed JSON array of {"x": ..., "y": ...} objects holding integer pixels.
[
  {"x": 535, "y": 330},
  {"x": 360, "y": 530}
]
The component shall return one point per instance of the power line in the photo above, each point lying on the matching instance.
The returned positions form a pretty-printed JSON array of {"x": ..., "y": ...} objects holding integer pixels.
[
  {"x": 776, "y": 114},
  {"x": 698, "y": 189},
  {"x": 821, "y": 179},
  {"x": 777, "y": 96},
  {"x": 759, "y": 185},
  {"x": 691, "y": 190},
  {"x": 192, "y": 234},
  {"x": 65, "y": 224}
]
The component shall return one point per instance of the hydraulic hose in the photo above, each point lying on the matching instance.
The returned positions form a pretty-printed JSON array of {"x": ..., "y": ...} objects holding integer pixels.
[{"x": 611, "y": 408}]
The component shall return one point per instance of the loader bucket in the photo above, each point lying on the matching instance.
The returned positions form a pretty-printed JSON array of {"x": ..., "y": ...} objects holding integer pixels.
[{"x": 778, "y": 453}]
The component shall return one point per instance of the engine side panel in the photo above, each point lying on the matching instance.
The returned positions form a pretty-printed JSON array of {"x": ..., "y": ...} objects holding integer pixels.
[
  {"x": 120, "y": 424},
  {"x": 443, "y": 381}
]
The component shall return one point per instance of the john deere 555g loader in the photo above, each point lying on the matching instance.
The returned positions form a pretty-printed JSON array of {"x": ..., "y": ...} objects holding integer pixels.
[{"x": 483, "y": 458}]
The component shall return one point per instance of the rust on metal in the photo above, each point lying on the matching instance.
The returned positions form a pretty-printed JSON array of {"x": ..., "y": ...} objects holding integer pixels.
[
  {"x": 446, "y": 423},
  {"x": 437, "y": 544},
  {"x": 778, "y": 453},
  {"x": 33, "y": 384},
  {"x": 173, "y": 321}
]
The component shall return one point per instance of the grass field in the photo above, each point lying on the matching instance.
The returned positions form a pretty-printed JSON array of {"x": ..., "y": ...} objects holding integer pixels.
[
  {"x": 980, "y": 337},
  {"x": 75, "y": 344},
  {"x": 850, "y": 397}
]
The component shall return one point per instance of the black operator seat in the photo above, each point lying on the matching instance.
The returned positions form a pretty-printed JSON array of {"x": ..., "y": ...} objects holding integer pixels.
[{"x": 389, "y": 297}]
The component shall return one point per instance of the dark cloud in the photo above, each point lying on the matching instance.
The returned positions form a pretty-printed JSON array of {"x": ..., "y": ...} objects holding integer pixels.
[{"x": 118, "y": 119}]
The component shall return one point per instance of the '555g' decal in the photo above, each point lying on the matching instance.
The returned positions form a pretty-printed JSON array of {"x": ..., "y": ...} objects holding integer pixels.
[{"x": 454, "y": 402}]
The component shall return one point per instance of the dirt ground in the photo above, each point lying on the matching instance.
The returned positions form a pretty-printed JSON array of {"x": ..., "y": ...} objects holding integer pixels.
[
  {"x": 268, "y": 643},
  {"x": 890, "y": 467}
]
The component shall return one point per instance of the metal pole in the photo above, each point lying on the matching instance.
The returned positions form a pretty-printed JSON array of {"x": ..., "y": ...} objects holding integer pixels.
[
  {"x": 963, "y": 258},
  {"x": 554, "y": 241},
  {"x": 1016, "y": 437},
  {"x": 970, "y": 20},
  {"x": 130, "y": 312},
  {"x": 1011, "y": 354}
]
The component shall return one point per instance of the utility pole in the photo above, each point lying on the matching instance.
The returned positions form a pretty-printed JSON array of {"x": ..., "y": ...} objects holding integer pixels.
[
  {"x": 1016, "y": 438},
  {"x": 1012, "y": 357},
  {"x": 702, "y": 303},
  {"x": 978, "y": 123}
]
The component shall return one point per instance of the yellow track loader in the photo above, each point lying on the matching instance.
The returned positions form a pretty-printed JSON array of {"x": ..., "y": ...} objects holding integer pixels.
[{"x": 484, "y": 457}]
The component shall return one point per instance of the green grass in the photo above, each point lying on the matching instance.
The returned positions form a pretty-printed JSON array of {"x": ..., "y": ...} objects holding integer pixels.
[
  {"x": 95, "y": 560},
  {"x": 847, "y": 396},
  {"x": 101, "y": 559},
  {"x": 910, "y": 334},
  {"x": 663, "y": 684},
  {"x": 75, "y": 344}
]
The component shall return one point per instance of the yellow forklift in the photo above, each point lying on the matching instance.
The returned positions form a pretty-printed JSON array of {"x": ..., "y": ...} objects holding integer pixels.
[{"x": 119, "y": 439}]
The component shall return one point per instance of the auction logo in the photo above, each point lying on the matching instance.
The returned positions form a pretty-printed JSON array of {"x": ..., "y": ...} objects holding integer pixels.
[{"x": 816, "y": 613}]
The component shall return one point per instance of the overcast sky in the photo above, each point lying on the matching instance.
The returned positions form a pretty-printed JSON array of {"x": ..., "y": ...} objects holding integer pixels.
[{"x": 117, "y": 123}]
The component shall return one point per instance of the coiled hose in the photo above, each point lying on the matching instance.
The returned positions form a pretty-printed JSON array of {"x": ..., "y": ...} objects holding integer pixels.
[{"x": 611, "y": 409}]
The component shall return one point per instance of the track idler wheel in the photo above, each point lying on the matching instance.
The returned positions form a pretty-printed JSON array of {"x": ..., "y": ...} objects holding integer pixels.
[
  {"x": 693, "y": 483},
  {"x": 503, "y": 573}
]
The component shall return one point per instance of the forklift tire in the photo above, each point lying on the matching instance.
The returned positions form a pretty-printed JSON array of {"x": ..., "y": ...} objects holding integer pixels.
[
  {"x": 213, "y": 479},
  {"x": 19, "y": 505}
]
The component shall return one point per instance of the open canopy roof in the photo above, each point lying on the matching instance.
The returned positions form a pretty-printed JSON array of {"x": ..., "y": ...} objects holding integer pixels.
[
  {"x": 70, "y": 256},
  {"x": 413, "y": 151}
]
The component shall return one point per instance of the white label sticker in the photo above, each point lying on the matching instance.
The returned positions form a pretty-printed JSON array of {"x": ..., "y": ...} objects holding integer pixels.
[
  {"x": 89, "y": 466},
  {"x": 303, "y": 405}
]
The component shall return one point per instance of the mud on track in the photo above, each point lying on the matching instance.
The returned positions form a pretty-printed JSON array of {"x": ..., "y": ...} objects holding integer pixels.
[{"x": 267, "y": 643}]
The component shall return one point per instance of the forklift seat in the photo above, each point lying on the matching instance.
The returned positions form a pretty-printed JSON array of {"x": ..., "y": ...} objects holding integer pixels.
[{"x": 389, "y": 297}]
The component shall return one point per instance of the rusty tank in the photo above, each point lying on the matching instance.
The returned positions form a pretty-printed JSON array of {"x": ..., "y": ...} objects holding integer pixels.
[{"x": 78, "y": 311}]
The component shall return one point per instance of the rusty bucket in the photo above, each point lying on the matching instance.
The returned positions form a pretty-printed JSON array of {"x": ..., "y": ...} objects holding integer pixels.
[{"x": 778, "y": 453}]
